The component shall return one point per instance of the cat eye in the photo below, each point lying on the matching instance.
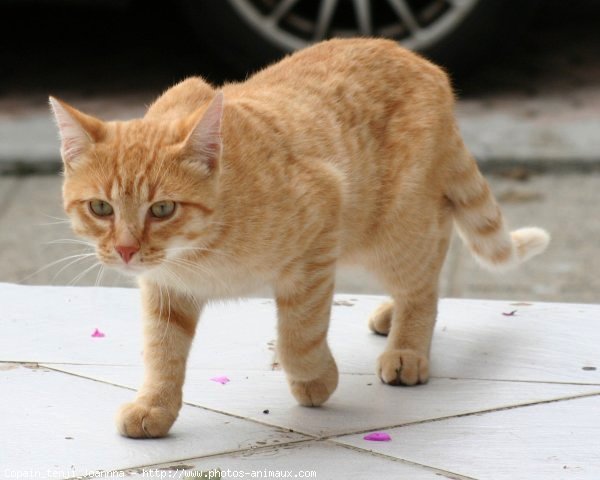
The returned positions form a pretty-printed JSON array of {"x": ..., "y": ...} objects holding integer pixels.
[
  {"x": 162, "y": 209},
  {"x": 100, "y": 208}
]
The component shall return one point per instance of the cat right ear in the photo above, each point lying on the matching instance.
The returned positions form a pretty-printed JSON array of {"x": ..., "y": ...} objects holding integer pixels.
[
  {"x": 204, "y": 144},
  {"x": 78, "y": 131}
]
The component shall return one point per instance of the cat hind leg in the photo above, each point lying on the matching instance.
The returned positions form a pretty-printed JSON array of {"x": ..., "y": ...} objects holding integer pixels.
[
  {"x": 410, "y": 273},
  {"x": 380, "y": 320},
  {"x": 405, "y": 360}
]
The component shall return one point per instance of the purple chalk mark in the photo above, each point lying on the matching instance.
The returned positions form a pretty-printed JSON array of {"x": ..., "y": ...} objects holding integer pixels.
[
  {"x": 222, "y": 380},
  {"x": 377, "y": 437},
  {"x": 98, "y": 334}
]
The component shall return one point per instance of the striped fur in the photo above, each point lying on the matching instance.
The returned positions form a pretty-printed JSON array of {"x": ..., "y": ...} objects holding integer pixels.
[
  {"x": 345, "y": 152},
  {"x": 480, "y": 222}
]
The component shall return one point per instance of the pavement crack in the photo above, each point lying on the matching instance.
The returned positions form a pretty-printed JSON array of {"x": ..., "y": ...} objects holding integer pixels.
[
  {"x": 438, "y": 471},
  {"x": 467, "y": 414}
]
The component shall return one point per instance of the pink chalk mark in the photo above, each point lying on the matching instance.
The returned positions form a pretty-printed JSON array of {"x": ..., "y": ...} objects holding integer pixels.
[
  {"x": 98, "y": 334},
  {"x": 222, "y": 380},
  {"x": 378, "y": 437}
]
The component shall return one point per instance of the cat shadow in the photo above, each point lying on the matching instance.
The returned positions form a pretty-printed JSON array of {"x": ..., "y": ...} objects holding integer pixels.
[{"x": 488, "y": 354}]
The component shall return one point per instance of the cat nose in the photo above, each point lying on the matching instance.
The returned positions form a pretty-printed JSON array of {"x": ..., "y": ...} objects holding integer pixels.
[{"x": 126, "y": 251}]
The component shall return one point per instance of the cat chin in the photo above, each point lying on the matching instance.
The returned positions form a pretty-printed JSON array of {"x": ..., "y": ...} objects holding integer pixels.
[{"x": 129, "y": 270}]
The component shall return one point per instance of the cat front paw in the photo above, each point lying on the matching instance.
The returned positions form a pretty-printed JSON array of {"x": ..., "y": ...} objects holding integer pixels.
[
  {"x": 139, "y": 420},
  {"x": 314, "y": 393},
  {"x": 403, "y": 367}
]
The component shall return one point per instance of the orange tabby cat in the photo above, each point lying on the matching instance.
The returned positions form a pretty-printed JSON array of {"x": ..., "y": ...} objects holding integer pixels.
[{"x": 347, "y": 151}]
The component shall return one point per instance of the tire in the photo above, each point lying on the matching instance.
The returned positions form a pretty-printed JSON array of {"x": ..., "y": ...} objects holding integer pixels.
[{"x": 457, "y": 38}]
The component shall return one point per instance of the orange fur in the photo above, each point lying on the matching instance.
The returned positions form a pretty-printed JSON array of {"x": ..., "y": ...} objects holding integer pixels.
[{"x": 345, "y": 152}]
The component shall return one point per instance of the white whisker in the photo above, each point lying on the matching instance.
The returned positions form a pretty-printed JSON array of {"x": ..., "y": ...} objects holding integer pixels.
[
  {"x": 78, "y": 277},
  {"x": 168, "y": 316},
  {"x": 99, "y": 276},
  {"x": 64, "y": 267},
  {"x": 198, "y": 249},
  {"x": 68, "y": 241},
  {"x": 183, "y": 286},
  {"x": 45, "y": 267},
  {"x": 160, "y": 300},
  {"x": 58, "y": 222},
  {"x": 195, "y": 268},
  {"x": 66, "y": 219}
]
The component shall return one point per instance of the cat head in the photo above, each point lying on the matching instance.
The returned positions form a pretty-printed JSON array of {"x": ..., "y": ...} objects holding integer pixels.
[{"x": 142, "y": 190}]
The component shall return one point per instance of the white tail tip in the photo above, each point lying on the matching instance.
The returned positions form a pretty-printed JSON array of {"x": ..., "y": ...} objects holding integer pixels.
[{"x": 529, "y": 242}]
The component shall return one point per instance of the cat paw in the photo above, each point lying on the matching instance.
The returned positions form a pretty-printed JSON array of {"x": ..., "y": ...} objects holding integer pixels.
[
  {"x": 403, "y": 367},
  {"x": 380, "y": 320},
  {"x": 138, "y": 420},
  {"x": 314, "y": 393}
]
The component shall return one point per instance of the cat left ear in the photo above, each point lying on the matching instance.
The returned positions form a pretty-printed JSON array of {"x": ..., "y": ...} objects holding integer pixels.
[
  {"x": 204, "y": 143},
  {"x": 78, "y": 131}
]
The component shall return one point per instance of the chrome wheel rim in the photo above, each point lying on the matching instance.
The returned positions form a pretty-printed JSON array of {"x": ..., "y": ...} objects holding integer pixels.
[{"x": 294, "y": 24}]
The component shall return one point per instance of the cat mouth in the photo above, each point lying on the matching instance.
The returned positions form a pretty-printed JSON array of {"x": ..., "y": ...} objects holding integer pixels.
[
  {"x": 134, "y": 269},
  {"x": 129, "y": 269},
  {"x": 135, "y": 266}
]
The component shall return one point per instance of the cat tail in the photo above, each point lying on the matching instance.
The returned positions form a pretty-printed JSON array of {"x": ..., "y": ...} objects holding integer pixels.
[{"x": 481, "y": 224}]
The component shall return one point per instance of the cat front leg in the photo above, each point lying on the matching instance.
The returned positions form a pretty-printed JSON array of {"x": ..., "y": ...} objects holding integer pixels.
[
  {"x": 304, "y": 295},
  {"x": 169, "y": 320}
]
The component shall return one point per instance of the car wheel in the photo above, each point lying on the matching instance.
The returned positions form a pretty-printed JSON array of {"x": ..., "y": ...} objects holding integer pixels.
[{"x": 247, "y": 34}]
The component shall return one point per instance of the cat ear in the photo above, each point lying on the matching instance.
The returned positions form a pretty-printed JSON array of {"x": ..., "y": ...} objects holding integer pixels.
[
  {"x": 78, "y": 131},
  {"x": 204, "y": 144}
]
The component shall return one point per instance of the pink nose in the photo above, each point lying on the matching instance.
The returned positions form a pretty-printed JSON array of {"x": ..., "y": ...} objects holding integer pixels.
[{"x": 127, "y": 251}]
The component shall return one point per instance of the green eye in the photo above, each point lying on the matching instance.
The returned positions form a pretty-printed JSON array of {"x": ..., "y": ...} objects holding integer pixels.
[
  {"x": 162, "y": 209},
  {"x": 101, "y": 208}
]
